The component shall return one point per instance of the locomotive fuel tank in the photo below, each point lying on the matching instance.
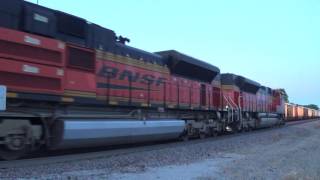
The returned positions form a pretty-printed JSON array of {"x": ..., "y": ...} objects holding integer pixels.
[
  {"x": 268, "y": 120},
  {"x": 76, "y": 133}
]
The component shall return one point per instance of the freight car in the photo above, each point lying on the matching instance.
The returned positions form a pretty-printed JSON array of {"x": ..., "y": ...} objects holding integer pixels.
[
  {"x": 291, "y": 112},
  {"x": 295, "y": 112},
  {"x": 67, "y": 83}
]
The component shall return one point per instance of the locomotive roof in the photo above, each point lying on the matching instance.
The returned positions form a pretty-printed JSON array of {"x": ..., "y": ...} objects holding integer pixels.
[
  {"x": 188, "y": 66},
  {"x": 266, "y": 89},
  {"x": 243, "y": 83},
  {"x": 122, "y": 49}
]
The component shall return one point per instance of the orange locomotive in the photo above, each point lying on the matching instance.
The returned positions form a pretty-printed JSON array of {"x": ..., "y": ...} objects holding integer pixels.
[{"x": 67, "y": 83}]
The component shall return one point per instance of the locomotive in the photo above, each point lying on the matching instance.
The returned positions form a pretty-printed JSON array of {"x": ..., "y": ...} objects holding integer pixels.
[{"x": 68, "y": 83}]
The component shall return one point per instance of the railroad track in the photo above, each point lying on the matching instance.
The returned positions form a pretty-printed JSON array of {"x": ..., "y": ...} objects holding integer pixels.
[
  {"x": 105, "y": 153},
  {"x": 300, "y": 122}
]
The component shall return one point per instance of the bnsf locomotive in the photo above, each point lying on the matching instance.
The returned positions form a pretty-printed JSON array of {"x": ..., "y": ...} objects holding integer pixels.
[{"x": 68, "y": 83}]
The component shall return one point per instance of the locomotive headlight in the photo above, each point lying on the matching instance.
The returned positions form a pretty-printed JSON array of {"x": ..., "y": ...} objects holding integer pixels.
[{"x": 229, "y": 129}]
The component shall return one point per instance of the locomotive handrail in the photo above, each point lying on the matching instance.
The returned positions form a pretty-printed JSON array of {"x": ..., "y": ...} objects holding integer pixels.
[
  {"x": 228, "y": 102},
  {"x": 236, "y": 106},
  {"x": 231, "y": 107},
  {"x": 240, "y": 109}
]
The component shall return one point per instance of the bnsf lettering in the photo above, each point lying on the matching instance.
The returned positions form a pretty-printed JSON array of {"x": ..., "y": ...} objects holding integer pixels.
[
  {"x": 115, "y": 73},
  {"x": 129, "y": 76},
  {"x": 108, "y": 72}
]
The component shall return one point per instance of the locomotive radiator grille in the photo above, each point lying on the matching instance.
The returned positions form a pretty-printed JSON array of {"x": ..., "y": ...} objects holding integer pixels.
[
  {"x": 29, "y": 53},
  {"x": 29, "y": 81}
]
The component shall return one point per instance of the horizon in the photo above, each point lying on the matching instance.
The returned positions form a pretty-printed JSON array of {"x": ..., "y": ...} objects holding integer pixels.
[{"x": 273, "y": 43}]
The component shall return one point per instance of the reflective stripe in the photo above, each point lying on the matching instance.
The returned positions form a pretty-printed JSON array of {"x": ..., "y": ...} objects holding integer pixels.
[
  {"x": 67, "y": 99},
  {"x": 3, "y": 98}
]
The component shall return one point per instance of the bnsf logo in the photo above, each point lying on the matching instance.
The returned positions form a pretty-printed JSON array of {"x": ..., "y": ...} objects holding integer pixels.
[{"x": 115, "y": 73}]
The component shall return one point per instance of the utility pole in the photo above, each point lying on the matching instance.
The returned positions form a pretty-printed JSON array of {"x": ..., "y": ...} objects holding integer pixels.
[{"x": 38, "y": 2}]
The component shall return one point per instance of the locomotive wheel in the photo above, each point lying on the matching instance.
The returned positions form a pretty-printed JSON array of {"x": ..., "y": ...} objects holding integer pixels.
[
  {"x": 6, "y": 154},
  {"x": 215, "y": 134},
  {"x": 185, "y": 138},
  {"x": 14, "y": 148},
  {"x": 202, "y": 135},
  {"x": 18, "y": 137}
]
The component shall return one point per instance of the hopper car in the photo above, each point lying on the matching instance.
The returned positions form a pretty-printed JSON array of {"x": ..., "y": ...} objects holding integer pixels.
[{"x": 295, "y": 112}]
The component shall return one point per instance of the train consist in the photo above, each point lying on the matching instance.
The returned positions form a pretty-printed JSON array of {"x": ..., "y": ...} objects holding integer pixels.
[
  {"x": 297, "y": 112},
  {"x": 68, "y": 83}
]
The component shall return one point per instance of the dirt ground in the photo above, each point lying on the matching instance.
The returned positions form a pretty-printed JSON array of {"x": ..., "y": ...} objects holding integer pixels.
[{"x": 293, "y": 153}]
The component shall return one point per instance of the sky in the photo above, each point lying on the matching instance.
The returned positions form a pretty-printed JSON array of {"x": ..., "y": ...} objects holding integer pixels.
[{"x": 274, "y": 42}]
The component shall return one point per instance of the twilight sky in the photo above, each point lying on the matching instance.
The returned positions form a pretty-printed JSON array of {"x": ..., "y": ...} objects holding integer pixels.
[{"x": 276, "y": 43}]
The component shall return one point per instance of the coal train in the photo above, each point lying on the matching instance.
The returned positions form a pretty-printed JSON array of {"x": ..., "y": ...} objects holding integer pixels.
[{"x": 68, "y": 83}]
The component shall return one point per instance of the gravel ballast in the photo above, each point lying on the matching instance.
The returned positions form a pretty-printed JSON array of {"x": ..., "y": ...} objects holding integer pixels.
[{"x": 291, "y": 152}]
